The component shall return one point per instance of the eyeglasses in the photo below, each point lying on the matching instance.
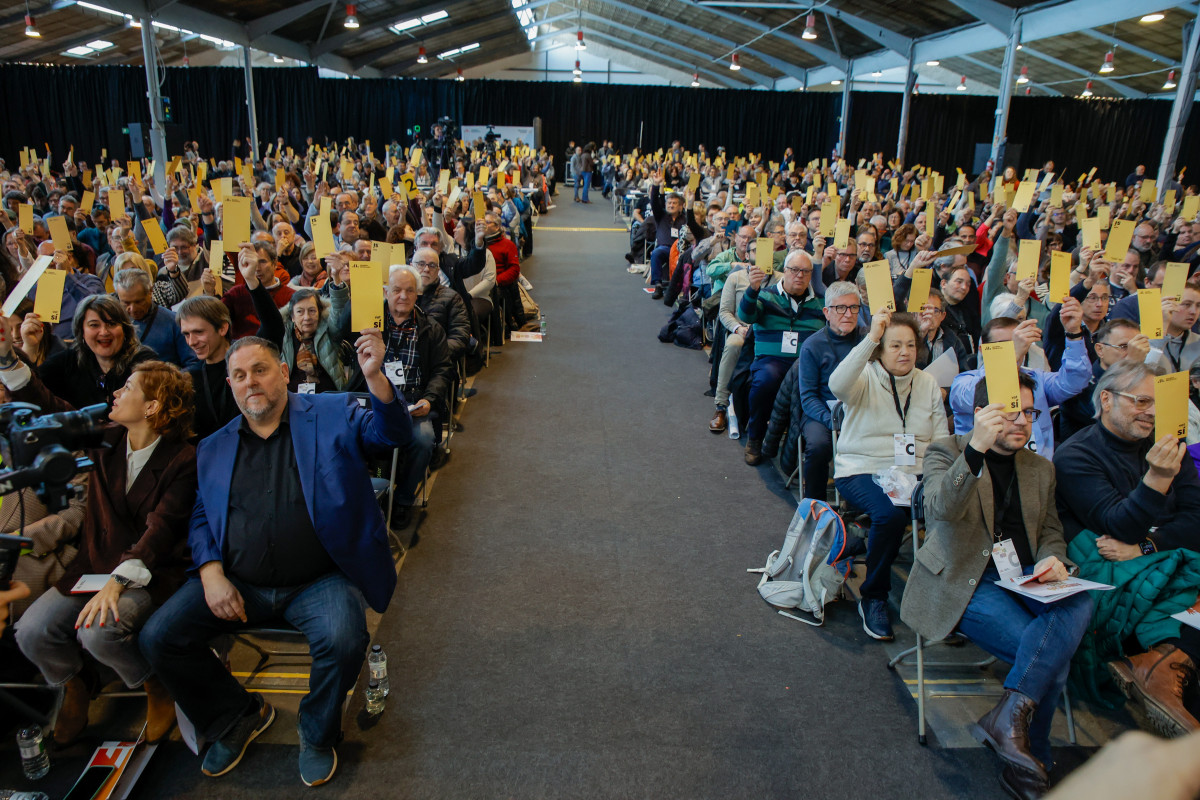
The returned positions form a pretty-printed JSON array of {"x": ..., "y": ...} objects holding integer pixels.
[
  {"x": 1121, "y": 347},
  {"x": 1140, "y": 401},
  {"x": 843, "y": 310},
  {"x": 425, "y": 265},
  {"x": 931, "y": 310},
  {"x": 1031, "y": 414},
  {"x": 798, "y": 271},
  {"x": 1096, "y": 298}
]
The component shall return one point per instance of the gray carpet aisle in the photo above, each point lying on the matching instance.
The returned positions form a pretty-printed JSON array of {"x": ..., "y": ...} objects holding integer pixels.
[{"x": 577, "y": 620}]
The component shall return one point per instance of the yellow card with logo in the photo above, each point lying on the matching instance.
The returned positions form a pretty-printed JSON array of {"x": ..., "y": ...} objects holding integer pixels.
[
  {"x": 841, "y": 231},
  {"x": 918, "y": 293},
  {"x": 1170, "y": 405},
  {"x": 1060, "y": 276},
  {"x": 25, "y": 218},
  {"x": 59, "y": 232},
  {"x": 1150, "y": 312},
  {"x": 879, "y": 286},
  {"x": 1174, "y": 279},
  {"x": 366, "y": 296},
  {"x": 216, "y": 263},
  {"x": 235, "y": 222},
  {"x": 1119, "y": 239},
  {"x": 764, "y": 254},
  {"x": 154, "y": 234},
  {"x": 48, "y": 302},
  {"x": 1028, "y": 255}
]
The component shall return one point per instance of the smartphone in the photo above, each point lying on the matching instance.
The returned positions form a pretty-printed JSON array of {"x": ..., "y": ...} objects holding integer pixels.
[{"x": 90, "y": 782}]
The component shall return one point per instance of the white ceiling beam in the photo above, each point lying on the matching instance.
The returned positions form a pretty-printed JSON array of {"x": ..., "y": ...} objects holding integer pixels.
[
  {"x": 994, "y": 14},
  {"x": 257, "y": 28},
  {"x": 1114, "y": 42},
  {"x": 884, "y": 36},
  {"x": 1050, "y": 90},
  {"x": 823, "y": 54},
  {"x": 1116, "y": 86}
]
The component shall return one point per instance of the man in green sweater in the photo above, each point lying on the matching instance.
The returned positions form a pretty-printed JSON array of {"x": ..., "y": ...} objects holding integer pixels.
[{"x": 782, "y": 317}]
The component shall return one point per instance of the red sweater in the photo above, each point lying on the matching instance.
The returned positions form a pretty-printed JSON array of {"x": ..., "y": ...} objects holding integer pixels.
[
  {"x": 241, "y": 307},
  {"x": 508, "y": 260}
]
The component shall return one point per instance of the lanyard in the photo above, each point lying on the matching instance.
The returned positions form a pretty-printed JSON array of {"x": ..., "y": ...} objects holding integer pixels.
[
  {"x": 1175, "y": 361},
  {"x": 998, "y": 534},
  {"x": 896, "y": 399}
]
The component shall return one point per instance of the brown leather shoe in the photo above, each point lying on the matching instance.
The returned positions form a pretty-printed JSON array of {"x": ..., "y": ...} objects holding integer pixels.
[
  {"x": 160, "y": 710},
  {"x": 754, "y": 455},
  {"x": 1005, "y": 729},
  {"x": 1156, "y": 680},
  {"x": 73, "y": 715},
  {"x": 1022, "y": 784},
  {"x": 719, "y": 422}
]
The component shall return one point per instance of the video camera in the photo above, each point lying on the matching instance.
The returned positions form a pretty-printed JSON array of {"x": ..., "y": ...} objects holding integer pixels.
[
  {"x": 37, "y": 450},
  {"x": 490, "y": 138}
]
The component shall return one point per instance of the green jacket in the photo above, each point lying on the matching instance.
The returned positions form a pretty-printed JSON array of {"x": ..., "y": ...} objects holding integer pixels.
[
  {"x": 1149, "y": 590},
  {"x": 771, "y": 314},
  {"x": 326, "y": 343},
  {"x": 719, "y": 267}
]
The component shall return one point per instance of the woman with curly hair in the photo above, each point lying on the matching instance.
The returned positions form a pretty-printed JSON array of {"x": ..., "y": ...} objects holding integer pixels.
[{"x": 139, "y": 500}]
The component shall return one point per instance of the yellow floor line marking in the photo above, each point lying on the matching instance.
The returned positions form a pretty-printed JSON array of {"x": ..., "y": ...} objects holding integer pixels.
[
  {"x": 577, "y": 230},
  {"x": 269, "y": 674}
]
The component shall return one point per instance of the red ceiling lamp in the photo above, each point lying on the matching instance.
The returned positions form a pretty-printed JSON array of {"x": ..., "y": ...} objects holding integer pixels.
[
  {"x": 962, "y": 85},
  {"x": 1024, "y": 76},
  {"x": 421, "y": 57},
  {"x": 1087, "y": 90},
  {"x": 735, "y": 62},
  {"x": 1107, "y": 66},
  {"x": 579, "y": 43},
  {"x": 31, "y": 27},
  {"x": 810, "y": 28},
  {"x": 695, "y": 79},
  {"x": 351, "y": 16},
  {"x": 1028, "y": 91},
  {"x": 1170, "y": 84},
  {"x": 460, "y": 77},
  {"x": 577, "y": 70}
]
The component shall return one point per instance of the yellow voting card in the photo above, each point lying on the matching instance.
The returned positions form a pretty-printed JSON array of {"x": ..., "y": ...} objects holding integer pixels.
[
  {"x": 48, "y": 303},
  {"x": 1024, "y": 196},
  {"x": 1168, "y": 201},
  {"x": 87, "y": 201},
  {"x": 1174, "y": 279},
  {"x": 751, "y": 195},
  {"x": 798, "y": 204},
  {"x": 1060, "y": 275},
  {"x": 484, "y": 173},
  {"x": 154, "y": 234},
  {"x": 25, "y": 218},
  {"x": 1170, "y": 405},
  {"x": 279, "y": 177},
  {"x": 1118, "y": 240},
  {"x": 764, "y": 254},
  {"x": 693, "y": 182},
  {"x": 1000, "y": 372},
  {"x": 399, "y": 256},
  {"x": 135, "y": 171},
  {"x": 879, "y": 286},
  {"x": 418, "y": 155},
  {"x": 930, "y": 221},
  {"x": 1191, "y": 207},
  {"x": 1056, "y": 195},
  {"x": 918, "y": 293},
  {"x": 478, "y": 206},
  {"x": 443, "y": 184},
  {"x": 59, "y": 233},
  {"x": 1149, "y": 191},
  {"x": 1150, "y": 312},
  {"x": 1102, "y": 216},
  {"x": 381, "y": 254},
  {"x": 216, "y": 263},
  {"x": 116, "y": 204},
  {"x": 1028, "y": 255},
  {"x": 841, "y": 232},
  {"x": 235, "y": 222},
  {"x": 322, "y": 235},
  {"x": 366, "y": 296},
  {"x": 385, "y": 186},
  {"x": 1090, "y": 230}
]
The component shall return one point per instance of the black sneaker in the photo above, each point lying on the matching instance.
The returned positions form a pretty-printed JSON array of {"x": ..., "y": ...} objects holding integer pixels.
[{"x": 874, "y": 615}]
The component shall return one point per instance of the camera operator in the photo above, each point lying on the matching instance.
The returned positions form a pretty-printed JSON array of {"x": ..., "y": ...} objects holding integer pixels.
[
  {"x": 139, "y": 500},
  {"x": 439, "y": 149}
]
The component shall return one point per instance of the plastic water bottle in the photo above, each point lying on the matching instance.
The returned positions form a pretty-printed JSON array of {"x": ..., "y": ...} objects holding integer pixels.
[
  {"x": 35, "y": 761},
  {"x": 377, "y": 663},
  {"x": 374, "y": 698},
  {"x": 13, "y": 794},
  {"x": 542, "y": 319}
]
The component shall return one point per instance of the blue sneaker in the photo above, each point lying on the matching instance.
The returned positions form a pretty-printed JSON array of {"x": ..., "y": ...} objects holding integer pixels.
[
  {"x": 317, "y": 764},
  {"x": 874, "y": 615},
  {"x": 225, "y": 753}
]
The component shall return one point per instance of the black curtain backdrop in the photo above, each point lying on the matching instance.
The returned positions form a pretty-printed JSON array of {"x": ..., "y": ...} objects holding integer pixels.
[{"x": 87, "y": 106}]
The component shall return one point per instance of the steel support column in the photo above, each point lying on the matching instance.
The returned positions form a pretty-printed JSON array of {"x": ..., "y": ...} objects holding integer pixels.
[
  {"x": 845, "y": 115},
  {"x": 1004, "y": 99},
  {"x": 251, "y": 114},
  {"x": 1180, "y": 109},
  {"x": 158, "y": 137},
  {"x": 910, "y": 83}
]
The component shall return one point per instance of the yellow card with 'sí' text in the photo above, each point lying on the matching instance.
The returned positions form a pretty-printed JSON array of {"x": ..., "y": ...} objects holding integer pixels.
[
  {"x": 918, "y": 293},
  {"x": 1028, "y": 255},
  {"x": 59, "y": 232},
  {"x": 1174, "y": 279},
  {"x": 1024, "y": 196},
  {"x": 25, "y": 218},
  {"x": 235, "y": 222},
  {"x": 1170, "y": 405},
  {"x": 48, "y": 302},
  {"x": 1000, "y": 372},
  {"x": 116, "y": 204},
  {"x": 879, "y": 286},
  {"x": 841, "y": 232},
  {"x": 399, "y": 256},
  {"x": 87, "y": 201},
  {"x": 216, "y": 263},
  {"x": 764, "y": 254},
  {"x": 1150, "y": 312},
  {"x": 1191, "y": 206},
  {"x": 1119, "y": 239},
  {"x": 1060, "y": 276},
  {"x": 366, "y": 296},
  {"x": 829, "y": 216},
  {"x": 478, "y": 206},
  {"x": 1090, "y": 231}
]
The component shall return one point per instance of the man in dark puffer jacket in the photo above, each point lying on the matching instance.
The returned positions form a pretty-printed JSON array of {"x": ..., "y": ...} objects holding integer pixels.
[{"x": 442, "y": 305}]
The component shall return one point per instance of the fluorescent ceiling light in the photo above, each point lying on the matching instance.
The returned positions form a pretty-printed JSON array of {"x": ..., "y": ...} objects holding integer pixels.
[
  {"x": 932, "y": 63},
  {"x": 1155, "y": 17},
  {"x": 103, "y": 10},
  {"x": 459, "y": 51},
  {"x": 419, "y": 22},
  {"x": 165, "y": 26},
  {"x": 80, "y": 51},
  {"x": 99, "y": 44}
]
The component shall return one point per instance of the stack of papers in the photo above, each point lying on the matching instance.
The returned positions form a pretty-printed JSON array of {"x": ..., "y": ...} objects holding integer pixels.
[{"x": 1051, "y": 591}]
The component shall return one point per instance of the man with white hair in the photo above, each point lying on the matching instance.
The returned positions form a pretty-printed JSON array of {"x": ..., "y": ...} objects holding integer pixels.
[
  {"x": 156, "y": 327},
  {"x": 417, "y": 363}
]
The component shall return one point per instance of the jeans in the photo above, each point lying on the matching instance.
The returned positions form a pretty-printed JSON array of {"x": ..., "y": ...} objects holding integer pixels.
[
  {"x": 330, "y": 612},
  {"x": 660, "y": 257},
  {"x": 887, "y": 530},
  {"x": 729, "y": 358},
  {"x": 413, "y": 460},
  {"x": 587, "y": 184},
  {"x": 766, "y": 375},
  {"x": 1038, "y": 639},
  {"x": 46, "y": 635},
  {"x": 818, "y": 451}
]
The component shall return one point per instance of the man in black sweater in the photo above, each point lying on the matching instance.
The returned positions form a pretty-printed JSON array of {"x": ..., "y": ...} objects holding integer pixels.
[
  {"x": 1138, "y": 496},
  {"x": 669, "y": 222}
]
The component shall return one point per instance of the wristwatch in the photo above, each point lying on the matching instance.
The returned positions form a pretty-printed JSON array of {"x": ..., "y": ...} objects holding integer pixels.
[
  {"x": 121, "y": 579},
  {"x": 1148, "y": 548}
]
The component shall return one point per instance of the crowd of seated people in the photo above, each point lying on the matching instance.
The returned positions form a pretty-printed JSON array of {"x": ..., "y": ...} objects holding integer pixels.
[
  {"x": 243, "y": 407},
  {"x": 1076, "y": 479}
]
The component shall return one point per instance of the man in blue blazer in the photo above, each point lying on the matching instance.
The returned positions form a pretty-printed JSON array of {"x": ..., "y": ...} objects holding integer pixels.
[{"x": 285, "y": 526}]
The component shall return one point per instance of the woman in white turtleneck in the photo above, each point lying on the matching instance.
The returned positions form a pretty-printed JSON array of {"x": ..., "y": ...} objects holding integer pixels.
[{"x": 893, "y": 412}]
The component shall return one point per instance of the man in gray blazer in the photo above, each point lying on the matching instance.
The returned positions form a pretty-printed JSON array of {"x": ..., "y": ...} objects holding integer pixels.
[{"x": 986, "y": 493}]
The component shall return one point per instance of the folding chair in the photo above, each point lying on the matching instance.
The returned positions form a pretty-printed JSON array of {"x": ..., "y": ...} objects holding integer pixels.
[{"x": 918, "y": 519}]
